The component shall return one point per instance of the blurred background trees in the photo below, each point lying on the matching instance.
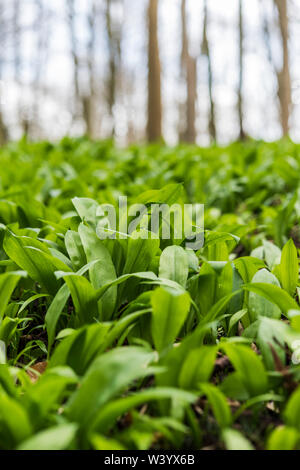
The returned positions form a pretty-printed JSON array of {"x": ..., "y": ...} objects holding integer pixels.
[
  {"x": 283, "y": 74},
  {"x": 188, "y": 70}
]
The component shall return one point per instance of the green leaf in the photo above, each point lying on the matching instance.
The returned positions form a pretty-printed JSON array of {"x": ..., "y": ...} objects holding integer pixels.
[
  {"x": 121, "y": 326},
  {"x": 247, "y": 267},
  {"x": 170, "y": 310},
  {"x": 248, "y": 366},
  {"x": 234, "y": 440},
  {"x": 218, "y": 308},
  {"x": 7, "y": 382},
  {"x": 57, "y": 305},
  {"x": 268, "y": 252},
  {"x": 230, "y": 282},
  {"x": 48, "y": 393},
  {"x": 173, "y": 265},
  {"x": 3, "y": 357},
  {"x": 55, "y": 438},
  {"x": 100, "y": 442},
  {"x": 75, "y": 249},
  {"x": 79, "y": 349},
  {"x": 202, "y": 288},
  {"x": 84, "y": 298},
  {"x": 215, "y": 238},
  {"x": 8, "y": 282},
  {"x": 234, "y": 319},
  {"x": 283, "y": 438},
  {"x": 268, "y": 299},
  {"x": 30, "y": 300},
  {"x": 272, "y": 254},
  {"x": 193, "y": 261},
  {"x": 169, "y": 194},
  {"x": 149, "y": 276},
  {"x": 14, "y": 419},
  {"x": 108, "y": 414},
  {"x": 8, "y": 327},
  {"x": 289, "y": 268},
  {"x": 86, "y": 209},
  {"x": 294, "y": 316},
  {"x": 101, "y": 272},
  {"x": 234, "y": 388},
  {"x": 292, "y": 410},
  {"x": 197, "y": 367},
  {"x": 37, "y": 265},
  {"x": 54, "y": 312},
  {"x": 140, "y": 252},
  {"x": 107, "y": 376},
  {"x": 260, "y": 399},
  {"x": 268, "y": 332},
  {"x": 218, "y": 403},
  {"x": 258, "y": 305}
]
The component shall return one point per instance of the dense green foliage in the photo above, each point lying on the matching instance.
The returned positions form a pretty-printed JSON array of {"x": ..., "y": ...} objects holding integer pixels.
[{"x": 149, "y": 345}]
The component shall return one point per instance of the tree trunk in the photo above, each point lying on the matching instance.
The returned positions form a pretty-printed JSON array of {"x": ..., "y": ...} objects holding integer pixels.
[
  {"x": 283, "y": 76},
  {"x": 241, "y": 72},
  {"x": 89, "y": 101},
  {"x": 114, "y": 47},
  {"x": 154, "y": 127},
  {"x": 75, "y": 58},
  {"x": 17, "y": 56},
  {"x": 3, "y": 131},
  {"x": 206, "y": 51},
  {"x": 189, "y": 73},
  {"x": 16, "y": 40},
  {"x": 32, "y": 122}
]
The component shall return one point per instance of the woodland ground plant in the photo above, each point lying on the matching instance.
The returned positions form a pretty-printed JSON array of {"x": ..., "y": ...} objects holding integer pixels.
[{"x": 143, "y": 343}]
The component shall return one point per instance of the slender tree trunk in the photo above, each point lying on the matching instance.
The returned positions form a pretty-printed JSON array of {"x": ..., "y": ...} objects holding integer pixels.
[
  {"x": 241, "y": 72},
  {"x": 75, "y": 57},
  {"x": 283, "y": 76},
  {"x": 89, "y": 100},
  {"x": 17, "y": 56},
  {"x": 114, "y": 47},
  {"x": 267, "y": 34},
  {"x": 154, "y": 126},
  {"x": 189, "y": 73},
  {"x": 40, "y": 28},
  {"x": 191, "y": 101},
  {"x": 206, "y": 51},
  {"x": 3, "y": 131},
  {"x": 16, "y": 39}
]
